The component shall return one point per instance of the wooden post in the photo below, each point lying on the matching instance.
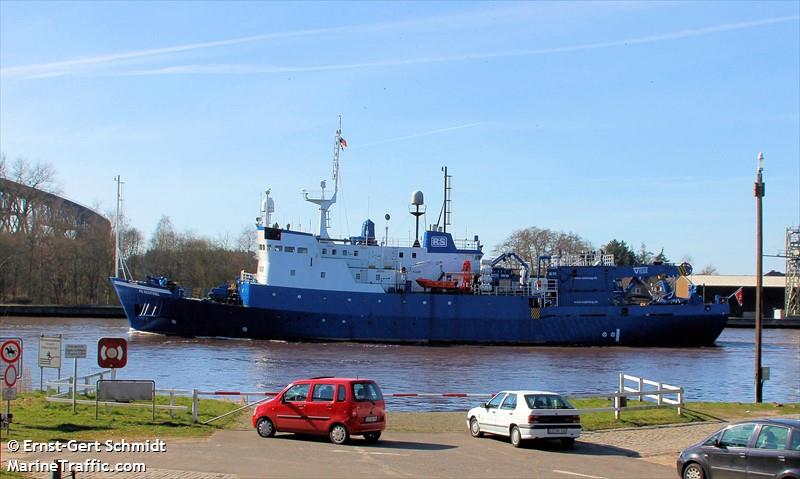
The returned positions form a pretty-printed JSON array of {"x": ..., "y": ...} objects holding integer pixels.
[
  {"x": 641, "y": 388},
  {"x": 74, "y": 384},
  {"x": 195, "y": 404}
]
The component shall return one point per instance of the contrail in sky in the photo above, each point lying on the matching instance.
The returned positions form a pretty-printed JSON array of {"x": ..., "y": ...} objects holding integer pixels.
[
  {"x": 55, "y": 68},
  {"x": 416, "y": 135},
  {"x": 58, "y": 68},
  {"x": 251, "y": 69}
]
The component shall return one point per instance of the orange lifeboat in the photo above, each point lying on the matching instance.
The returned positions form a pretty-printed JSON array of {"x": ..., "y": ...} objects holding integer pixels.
[{"x": 432, "y": 284}]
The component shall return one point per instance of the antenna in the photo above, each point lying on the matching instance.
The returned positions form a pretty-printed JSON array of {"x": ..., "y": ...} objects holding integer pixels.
[
  {"x": 386, "y": 234},
  {"x": 418, "y": 206},
  {"x": 445, "y": 211},
  {"x": 339, "y": 144}
]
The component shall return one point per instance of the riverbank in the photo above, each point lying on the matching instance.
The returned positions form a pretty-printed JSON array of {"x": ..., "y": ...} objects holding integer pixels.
[
  {"x": 62, "y": 311},
  {"x": 37, "y": 419}
]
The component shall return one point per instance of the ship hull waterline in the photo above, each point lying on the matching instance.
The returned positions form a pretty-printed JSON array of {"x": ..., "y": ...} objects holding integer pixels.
[{"x": 296, "y": 314}]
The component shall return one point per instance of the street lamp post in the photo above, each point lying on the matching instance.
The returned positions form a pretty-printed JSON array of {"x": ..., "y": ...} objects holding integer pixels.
[{"x": 759, "y": 194}]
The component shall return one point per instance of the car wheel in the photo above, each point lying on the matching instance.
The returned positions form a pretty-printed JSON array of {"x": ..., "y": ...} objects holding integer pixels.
[
  {"x": 338, "y": 434},
  {"x": 693, "y": 471},
  {"x": 568, "y": 441},
  {"x": 265, "y": 428},
  {"x": 372, "y": 436},
  {"x": 475, "y": 428},
  {"x": 516, "y": 437}
]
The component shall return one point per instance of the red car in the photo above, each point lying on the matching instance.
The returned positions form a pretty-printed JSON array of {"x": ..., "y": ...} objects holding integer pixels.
[{"x": 336, "y": 407}]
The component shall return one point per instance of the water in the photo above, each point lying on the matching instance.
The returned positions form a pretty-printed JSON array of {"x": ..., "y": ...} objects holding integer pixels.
[{"x": 721, "y": 373}]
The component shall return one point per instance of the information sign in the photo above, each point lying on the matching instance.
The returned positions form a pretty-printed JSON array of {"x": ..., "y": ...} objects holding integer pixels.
[
  {"x": 74, "y": 351},
  {"x": 50, "y": 352}
]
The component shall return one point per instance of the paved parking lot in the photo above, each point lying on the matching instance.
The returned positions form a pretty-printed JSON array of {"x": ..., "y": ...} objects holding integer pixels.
[{"x": 243, "y": 454}]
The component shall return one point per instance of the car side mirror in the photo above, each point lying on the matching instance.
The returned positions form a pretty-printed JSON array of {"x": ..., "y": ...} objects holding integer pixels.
[
  {"x": 719, "y": 444},
  {"x": 486, "y": 405}
]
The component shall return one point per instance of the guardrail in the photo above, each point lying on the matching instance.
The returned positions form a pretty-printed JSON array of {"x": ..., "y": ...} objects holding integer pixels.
[{"x": 659, "y": 395}]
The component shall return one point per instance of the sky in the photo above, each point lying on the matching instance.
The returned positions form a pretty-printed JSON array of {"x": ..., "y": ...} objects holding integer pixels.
[{"x": 636, "y": 121}]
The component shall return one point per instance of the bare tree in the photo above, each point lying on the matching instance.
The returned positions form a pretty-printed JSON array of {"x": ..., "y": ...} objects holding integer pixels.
[
  {"x": 533, "y": 242},
  {"x": 708, "y": 269}
]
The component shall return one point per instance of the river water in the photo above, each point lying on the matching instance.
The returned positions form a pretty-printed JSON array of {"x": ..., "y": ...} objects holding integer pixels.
[{"x": 720, "y": 373}]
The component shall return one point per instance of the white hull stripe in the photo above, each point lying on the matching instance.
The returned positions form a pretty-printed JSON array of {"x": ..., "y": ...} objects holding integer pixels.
[{"x": 144, "y": 288}]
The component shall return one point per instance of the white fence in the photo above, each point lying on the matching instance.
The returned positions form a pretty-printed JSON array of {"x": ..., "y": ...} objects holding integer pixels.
[{"x": 664, "y": 395}]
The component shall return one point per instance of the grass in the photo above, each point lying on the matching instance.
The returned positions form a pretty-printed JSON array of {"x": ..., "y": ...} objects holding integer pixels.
[
  {"x": 38, "y": 420},
  {"x": 41, "y": 421},
  {"x": 693, "y": 413}
]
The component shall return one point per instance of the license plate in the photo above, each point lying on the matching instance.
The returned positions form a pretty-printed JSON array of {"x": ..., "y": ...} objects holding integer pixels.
[
  {"x": 371, "y": 419},
  {"x": 559, "y": 430}
]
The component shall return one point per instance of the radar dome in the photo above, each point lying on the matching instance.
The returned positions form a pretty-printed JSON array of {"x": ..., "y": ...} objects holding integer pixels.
[{"x": 416, "y": 198}]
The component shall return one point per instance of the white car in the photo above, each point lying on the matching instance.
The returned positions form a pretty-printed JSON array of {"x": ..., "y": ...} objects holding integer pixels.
[{"x": 522, "y": 415}]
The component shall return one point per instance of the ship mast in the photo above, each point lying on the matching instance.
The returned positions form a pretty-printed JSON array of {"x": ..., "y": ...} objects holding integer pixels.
[
  {"x": 325, "y": 204},
  {"x": 119, "y": 265}
]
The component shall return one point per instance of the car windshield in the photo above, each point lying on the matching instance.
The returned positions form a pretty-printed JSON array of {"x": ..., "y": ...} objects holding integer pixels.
[
  {"x": 367, "y": 391},
  {"x": 547, "y": 401}
]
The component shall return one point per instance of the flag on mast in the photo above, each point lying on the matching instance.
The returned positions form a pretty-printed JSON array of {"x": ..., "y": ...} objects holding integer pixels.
[
  {"x": 739, "y": 295},
  {"x": 342, "y": 142}
]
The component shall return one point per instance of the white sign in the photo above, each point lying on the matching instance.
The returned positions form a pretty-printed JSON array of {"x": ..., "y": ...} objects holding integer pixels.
[
  {"x": 74, "y": 351},
  {"x": 439, "y": 241},
  {"x": 9, "y": 394},
  {"x": 50, "y": 352}
]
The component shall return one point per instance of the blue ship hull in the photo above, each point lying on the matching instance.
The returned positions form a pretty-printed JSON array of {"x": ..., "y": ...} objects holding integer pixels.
[{"x": 296, "y": 314}]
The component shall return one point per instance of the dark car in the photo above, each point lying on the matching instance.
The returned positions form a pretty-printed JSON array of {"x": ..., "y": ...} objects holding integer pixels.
[{"x": 763, "y": 448}]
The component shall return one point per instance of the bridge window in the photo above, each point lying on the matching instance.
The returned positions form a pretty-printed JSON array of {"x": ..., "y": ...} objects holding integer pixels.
[
  {"x": 355, "y": 253},
  {"x": 324, "y": 250},
  {"x": 377, "y": 277},
  {"x": 302, "y": 250},
  {"x": 278, "y": 248},
  {"x": 358, "y": 276},
  {"x": 289, "y": 249},
  {"x": 413, "y": 255},
  {"x": 333, "y": 252},
  {"x": 344, "y": 252},
  {"x": 291, "y": 272},
  {"x": 322, "y": 274},
  {"x": 401, "y": 254}
]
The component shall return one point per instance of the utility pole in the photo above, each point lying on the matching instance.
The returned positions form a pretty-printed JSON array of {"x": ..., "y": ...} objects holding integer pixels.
[{"x": 759, "y": 194}]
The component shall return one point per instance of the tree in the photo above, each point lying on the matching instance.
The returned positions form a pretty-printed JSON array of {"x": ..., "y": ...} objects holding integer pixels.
[
  {"x": 661, "y": 257},
  {"x": 532, "y": 242},
  {"x": 623, "y": 254},
  {"x": 708, "y": 269}
]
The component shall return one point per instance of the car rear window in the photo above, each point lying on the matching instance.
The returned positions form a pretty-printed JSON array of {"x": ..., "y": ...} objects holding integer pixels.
[
  {"x": 795, "y": 445},
  {"x": 547, "y": 401},
  {"x": 772, "y": 437},
  {"x": 367, "y": 391}
]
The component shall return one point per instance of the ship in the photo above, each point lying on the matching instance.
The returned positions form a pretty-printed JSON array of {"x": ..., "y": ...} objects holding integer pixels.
[{"x": 433, "y": 290}]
